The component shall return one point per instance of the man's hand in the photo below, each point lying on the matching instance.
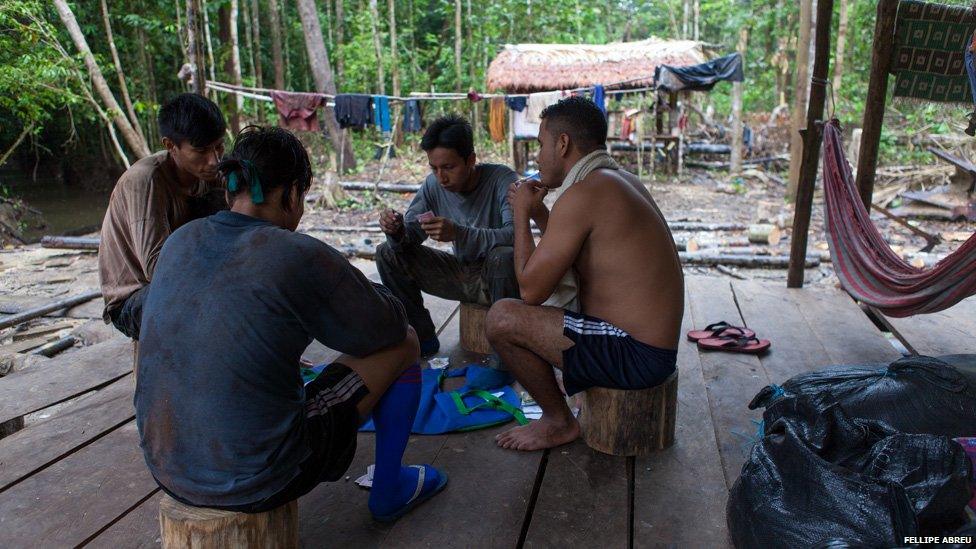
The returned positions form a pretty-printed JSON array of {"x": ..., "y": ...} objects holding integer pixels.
[
  {"x": 527, "y": 197},
  {"x": 391, "y": 223},
  {"x": 440, "y": 229}
]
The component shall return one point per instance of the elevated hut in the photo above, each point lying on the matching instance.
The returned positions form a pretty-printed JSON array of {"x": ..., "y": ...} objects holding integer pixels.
[{"x": 533, "y": 68}]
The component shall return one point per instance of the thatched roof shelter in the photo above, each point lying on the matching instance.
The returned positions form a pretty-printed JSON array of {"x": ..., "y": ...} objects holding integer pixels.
[{"x": 524, "y": 68}]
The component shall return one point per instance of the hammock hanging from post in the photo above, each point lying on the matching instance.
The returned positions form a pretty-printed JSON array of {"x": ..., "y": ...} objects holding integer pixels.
[{"x": 867, "y": 267}]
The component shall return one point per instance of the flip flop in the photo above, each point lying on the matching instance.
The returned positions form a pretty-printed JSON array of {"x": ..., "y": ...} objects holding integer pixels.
[
  {"x": 750, "y": 345},
  {"x": 720, "y": 329},
  {"x": 419, "y": 495}
]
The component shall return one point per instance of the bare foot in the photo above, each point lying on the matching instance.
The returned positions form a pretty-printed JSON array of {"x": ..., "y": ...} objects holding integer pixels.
[{"x": 542, "y": 433}]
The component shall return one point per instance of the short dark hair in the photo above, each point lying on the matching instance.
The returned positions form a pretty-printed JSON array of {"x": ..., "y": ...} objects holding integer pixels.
[
  {"x": 278, "y": 157},
  {"x": 191, "y": 117},
  {"x": 451, "y": 132},
  {"x": 580, "y": 119}
]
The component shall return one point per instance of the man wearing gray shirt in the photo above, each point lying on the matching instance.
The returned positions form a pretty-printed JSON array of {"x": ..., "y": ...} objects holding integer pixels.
[{"x": 461, "y": 202}]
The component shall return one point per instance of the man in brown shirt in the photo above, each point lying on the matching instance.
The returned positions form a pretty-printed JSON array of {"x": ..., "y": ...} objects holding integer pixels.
[{"x": 153, "y": 198}]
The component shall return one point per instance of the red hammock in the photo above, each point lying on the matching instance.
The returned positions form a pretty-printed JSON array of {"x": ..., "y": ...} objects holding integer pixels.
[{"x": 867, "y": 267}]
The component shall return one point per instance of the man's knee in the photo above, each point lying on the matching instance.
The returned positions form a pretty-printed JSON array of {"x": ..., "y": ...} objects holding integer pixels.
[
  {"x": 501, "y": 261},
  {"x": 385, "y": 253},
  {"x": 410, "y": 346},
  {"x": 501, "y": 318}
]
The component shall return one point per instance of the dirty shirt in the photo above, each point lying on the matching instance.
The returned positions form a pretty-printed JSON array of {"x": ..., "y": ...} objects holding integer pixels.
[{"x": 234, "y": 302}]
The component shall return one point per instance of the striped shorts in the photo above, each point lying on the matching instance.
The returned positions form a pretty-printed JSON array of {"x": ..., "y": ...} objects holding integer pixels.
[
  {"x": 606, "y": 356},
  {"x": 331, "y": 427}
]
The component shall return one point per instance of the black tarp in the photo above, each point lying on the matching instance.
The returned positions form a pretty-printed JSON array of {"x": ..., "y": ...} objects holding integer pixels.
[{"x": 701, "y": 77}]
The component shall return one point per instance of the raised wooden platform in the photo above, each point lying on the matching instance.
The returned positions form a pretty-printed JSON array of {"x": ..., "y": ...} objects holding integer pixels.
[{"x": 78, "y": 477}]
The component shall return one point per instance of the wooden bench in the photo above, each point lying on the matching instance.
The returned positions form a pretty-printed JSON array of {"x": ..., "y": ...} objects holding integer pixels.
[
  {"x": 184, "y": 526},
  {"x": 473, "y": 335},
  {"x": 630, "y": 423}
]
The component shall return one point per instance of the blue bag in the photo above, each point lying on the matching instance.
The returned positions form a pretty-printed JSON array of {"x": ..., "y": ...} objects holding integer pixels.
[{"x": 464, "y": 409}]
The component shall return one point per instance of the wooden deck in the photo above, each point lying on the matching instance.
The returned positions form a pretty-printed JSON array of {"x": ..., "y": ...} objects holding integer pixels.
[{"x": 78, "y": 477}]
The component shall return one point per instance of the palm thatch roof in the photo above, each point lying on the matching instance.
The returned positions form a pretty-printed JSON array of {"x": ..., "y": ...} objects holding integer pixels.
[{"x": 523, "y": 68}]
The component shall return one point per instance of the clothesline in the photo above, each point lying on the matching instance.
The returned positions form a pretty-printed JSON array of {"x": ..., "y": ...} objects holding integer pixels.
[{"x": 254, "y": 93}]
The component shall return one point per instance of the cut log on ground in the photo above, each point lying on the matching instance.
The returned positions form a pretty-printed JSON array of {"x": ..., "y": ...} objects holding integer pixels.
[
  {"x": 744, "y": 260},
  {"x": 70, "y": 242},
  {"x": 56, "y": 347},
  {"x": 764, "y": 233},
  {"x": 693, "y": 226},
  {"x": 384, "y": 187},
  {"x": 630, "y": 423},
  {"x": 200, "y": 527},
  {"x": 36, "y": 312}
]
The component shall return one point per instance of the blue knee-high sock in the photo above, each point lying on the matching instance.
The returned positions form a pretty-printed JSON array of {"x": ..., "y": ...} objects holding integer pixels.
[{"x": 393, "y": 417}]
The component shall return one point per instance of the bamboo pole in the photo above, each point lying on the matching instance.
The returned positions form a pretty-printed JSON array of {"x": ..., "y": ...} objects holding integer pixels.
[
  {"x": 881, "y": 54},
  {"x": 812, "y": 138}
]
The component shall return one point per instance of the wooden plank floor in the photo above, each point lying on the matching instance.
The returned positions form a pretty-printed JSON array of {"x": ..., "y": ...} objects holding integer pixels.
[
  {"x": 79, "y": 477},
  {"x": 947, "y": 332}
]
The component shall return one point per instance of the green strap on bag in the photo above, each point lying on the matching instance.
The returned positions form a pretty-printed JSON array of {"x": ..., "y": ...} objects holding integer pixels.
[{"x": 489, "y": 401}]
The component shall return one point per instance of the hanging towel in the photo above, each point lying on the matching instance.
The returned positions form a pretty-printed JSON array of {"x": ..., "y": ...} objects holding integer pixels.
[
  {"x": 298, "y": 111},
  {"x": 565, "y": 295},
  {"x": 352, "y": 110},
  {"x": 412, "y": 118},
  {"x": 496, "y": 119},
  {"x": 517, "y": 104},
  {"x": 381, "y": 112},
  {"x": 537, "y": 102},
  {"x": 599, "y": 98}
]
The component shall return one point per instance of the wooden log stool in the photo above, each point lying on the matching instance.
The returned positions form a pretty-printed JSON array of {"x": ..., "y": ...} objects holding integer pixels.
[
  {"x": 630, "y": 423},
  {"x": 184, "y": 526},
  {"x": 474, "y": 338}
]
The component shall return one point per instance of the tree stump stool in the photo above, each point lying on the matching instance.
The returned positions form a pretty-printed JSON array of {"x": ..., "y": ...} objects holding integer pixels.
[
  {"x": 630, "y": 423},
  {"x": 474, "y": 338},
  {"x": 184, "y": 526}
]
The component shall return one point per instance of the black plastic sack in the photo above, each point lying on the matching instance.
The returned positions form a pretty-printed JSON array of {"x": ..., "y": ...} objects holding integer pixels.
[
  {"x": 912, "y": 395},
  {"x": 839, "y": 480}
]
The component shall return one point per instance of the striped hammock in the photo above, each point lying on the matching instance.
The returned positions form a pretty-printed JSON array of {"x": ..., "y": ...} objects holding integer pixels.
[{"x": 867, "y": 267}]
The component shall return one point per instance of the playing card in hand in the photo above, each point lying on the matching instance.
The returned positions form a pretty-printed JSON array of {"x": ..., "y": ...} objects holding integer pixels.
[{"x": 426, "y": 217}]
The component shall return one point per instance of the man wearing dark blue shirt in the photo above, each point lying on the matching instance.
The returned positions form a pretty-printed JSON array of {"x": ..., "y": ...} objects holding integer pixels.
[{"x": 223, "y": 416}]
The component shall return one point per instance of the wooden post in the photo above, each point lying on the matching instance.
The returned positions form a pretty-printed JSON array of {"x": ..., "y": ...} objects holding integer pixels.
[
  {"x": 881, "y": 54},
  {"x": 473, "y": 336},
  {"x": 183, "y": 526},
  {"x": 812, "y": 137},
  {"x": 630, "y": 423}
]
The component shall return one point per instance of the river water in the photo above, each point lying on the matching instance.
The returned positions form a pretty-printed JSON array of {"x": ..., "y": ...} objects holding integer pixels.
[{"x": 66, "y": 209}]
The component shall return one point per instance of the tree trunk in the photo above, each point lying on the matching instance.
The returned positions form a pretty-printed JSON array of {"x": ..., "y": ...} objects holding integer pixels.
[
  {"x": 235, "y": 65},
  {"x": 736, "y": 156},
  {"x": 211, "y": 66},
  {"x": 256, "y": 28},
  {"x": 340, "y": 25},
  {"x": 841, "y": 46},
  {"x": 696, "y": 11},
  {"x": 133, "y": 119},
  {"x": 194, "y": 49},
  {"x": 391, "y": 8},
  {"x": 245, "y": 6},
  {"x": 686, "y": 19},
  {"x": 324, "y": 79},
  {"x": 276, "y": 57},
  {"x": 135, "y": 141},
  {"x": 457, "y": 44},
  {"x": 374, "y": 17},
  {"x": 801, "y": 89}
]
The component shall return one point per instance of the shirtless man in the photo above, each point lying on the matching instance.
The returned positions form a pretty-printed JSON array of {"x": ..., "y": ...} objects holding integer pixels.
[{"x": 607, "y": 227}]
